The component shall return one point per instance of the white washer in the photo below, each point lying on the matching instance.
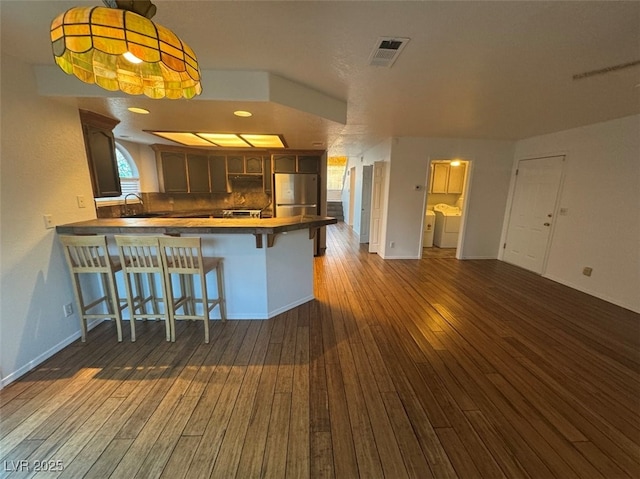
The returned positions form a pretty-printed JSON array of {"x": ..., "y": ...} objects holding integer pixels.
[
  {"x": 429, "y": 227},
  {"x": 447, "y": 225}
]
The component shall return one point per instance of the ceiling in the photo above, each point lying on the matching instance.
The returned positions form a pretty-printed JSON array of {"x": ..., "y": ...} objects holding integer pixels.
[{"x": 492, "y": 70}]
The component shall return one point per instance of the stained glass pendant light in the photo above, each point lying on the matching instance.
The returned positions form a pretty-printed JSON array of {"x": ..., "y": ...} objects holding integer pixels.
[{"x": 119, "y": 49}]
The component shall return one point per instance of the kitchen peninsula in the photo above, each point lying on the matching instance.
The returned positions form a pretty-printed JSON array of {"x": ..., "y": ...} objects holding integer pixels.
[{"x": 268, "y": 263}]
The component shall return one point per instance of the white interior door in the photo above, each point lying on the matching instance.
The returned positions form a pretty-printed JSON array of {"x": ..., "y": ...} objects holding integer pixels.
[
  {"x": 365, "y": 213},
  {"x": 532, "y": 210},
  {"x": 376, "y": 206},
  {"x": 352, "y": 192}
]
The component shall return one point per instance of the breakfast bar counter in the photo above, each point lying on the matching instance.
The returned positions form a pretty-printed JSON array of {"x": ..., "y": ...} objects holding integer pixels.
[
  {"x": 267, "y": 262},
  {"x": 176, "y": 226}
]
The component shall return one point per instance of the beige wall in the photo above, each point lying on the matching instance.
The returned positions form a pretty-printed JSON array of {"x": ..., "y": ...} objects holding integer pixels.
[
  {"x": 43, "y": 169},
  {"x": 601, "y": 193}
]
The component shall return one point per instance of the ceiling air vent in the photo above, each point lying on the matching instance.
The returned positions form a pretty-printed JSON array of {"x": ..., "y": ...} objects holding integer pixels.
[{"x": 386, "y": 51}]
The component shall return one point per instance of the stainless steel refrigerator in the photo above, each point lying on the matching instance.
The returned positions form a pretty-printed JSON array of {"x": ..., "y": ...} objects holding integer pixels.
[{"x": 296, "y": 194}]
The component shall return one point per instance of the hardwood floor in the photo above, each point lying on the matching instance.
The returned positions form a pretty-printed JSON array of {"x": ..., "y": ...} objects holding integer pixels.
[
  {"x": 435, "y": 252},
  {"x": 432, "y": 368}
]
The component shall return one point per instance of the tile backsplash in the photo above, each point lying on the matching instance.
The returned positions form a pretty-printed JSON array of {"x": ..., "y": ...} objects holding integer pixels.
[{"x": 249, "y": 195}]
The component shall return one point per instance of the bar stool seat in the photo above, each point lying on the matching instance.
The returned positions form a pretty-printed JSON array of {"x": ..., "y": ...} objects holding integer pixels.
[
  {"x": 140, "y": 259},
  {"x": 182, "y": 256},
  {"x": 87, "y": 255}
]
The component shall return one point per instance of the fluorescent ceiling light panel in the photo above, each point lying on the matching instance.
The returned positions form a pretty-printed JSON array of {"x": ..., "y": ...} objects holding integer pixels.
[
  {"x": 224, "y": 139},
  {"x": 264, "y": 141},
  {"x": 183, "y": 138}
]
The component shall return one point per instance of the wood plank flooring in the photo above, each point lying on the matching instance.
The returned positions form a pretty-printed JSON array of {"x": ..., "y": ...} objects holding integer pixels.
[{"x": 432, "y": 368}]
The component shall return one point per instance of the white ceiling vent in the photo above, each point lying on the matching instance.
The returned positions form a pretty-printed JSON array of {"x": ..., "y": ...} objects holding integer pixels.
[{"x": 386, "y": 51}]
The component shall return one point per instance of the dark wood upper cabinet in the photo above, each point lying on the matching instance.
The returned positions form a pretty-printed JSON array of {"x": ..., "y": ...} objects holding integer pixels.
[
  {"x": 308, "y": 164},
  {"x": 267, "y": 177},
  {"x": 198, "y": 173},
  {"x": 296, "y": 163},
  {"x": 173, "y": 172},
  {"x": 235, "y": 164},
  {"x": 253, "y": 164},
  {"x": 101, "y": 153},
  {"x": 244, "y": 165},
  {"x": 284, "y": 163},
  {"x": 218, "y": 172}
]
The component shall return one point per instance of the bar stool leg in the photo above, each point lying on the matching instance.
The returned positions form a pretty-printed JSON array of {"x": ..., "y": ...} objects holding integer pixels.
[
  {"x": 221, "y": 303},
  {"x": 111, "y": 292},
  {"x": 205, "y": 306}
]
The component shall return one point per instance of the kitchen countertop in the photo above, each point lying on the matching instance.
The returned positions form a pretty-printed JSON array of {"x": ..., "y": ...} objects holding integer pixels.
[{"x": 176, "y": 226}]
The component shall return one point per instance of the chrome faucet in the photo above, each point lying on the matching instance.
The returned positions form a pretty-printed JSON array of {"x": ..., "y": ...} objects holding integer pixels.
[{"x": 127, "y": 212}]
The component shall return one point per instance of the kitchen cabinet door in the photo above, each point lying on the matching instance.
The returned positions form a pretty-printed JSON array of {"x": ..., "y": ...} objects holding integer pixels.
[
  {"x": 284, "y": 163},
  {"x": 253, "y": 164},
  {"x": 101, "y": 153},
  {"x": 218, "y": 174},
  {"x": 308, "y": 164},
  {"x": 198, "y": 173},
  {"x": 456, "y": 179},
  {"x": 174, "y": 172},
  {"x": 267, "y": 177},
  {"x": 235, "y": 164},
  {"x": 440, "y": 173}
]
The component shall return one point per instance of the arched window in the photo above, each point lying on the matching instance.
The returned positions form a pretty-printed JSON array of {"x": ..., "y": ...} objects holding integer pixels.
[{"x": 127, "y": 170}]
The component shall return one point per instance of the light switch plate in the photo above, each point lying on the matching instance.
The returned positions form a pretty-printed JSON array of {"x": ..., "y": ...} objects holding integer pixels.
[{"x": 81, "y": 202}]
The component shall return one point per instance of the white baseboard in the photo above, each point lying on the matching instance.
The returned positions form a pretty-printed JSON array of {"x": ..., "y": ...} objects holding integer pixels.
[
  {"x": 477, "y": 257},
  {"x": 35, "y": 362},
  {"x": 595, "y": 294},
  {"x": 290, "y": 306}
]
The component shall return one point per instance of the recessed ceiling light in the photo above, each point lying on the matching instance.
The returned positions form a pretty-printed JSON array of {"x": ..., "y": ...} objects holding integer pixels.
[
  {"x": 135, "y": 109},
  {"x": 243, "y": 113}
]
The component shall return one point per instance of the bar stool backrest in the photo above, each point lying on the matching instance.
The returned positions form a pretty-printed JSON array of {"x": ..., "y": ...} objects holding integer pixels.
[
  {"x": 139, "y": 254},
  {"x": 87, "y": 254},
  {"x": 182, "y": 255}
]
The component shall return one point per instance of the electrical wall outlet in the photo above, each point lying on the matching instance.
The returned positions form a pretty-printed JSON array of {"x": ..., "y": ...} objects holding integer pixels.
[
  {"x": 587, "y": 271},
  {"x": 48, "y": 221},
  {"x": 67, "y": 309}
]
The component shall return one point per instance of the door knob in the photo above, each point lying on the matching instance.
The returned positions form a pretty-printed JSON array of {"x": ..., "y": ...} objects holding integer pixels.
[{"x": 547, "y": 224}]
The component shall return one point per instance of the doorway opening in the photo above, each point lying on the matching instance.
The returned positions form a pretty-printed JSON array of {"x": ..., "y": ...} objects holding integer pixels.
[{"x": 445, "y": 206}]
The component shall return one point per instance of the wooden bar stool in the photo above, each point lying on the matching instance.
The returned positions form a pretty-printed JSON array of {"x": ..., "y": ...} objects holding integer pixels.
[
  {"x": 140, "y": 259},
  {"x": 90, "y": 255},
  {"x": 183, "y": 257}
]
